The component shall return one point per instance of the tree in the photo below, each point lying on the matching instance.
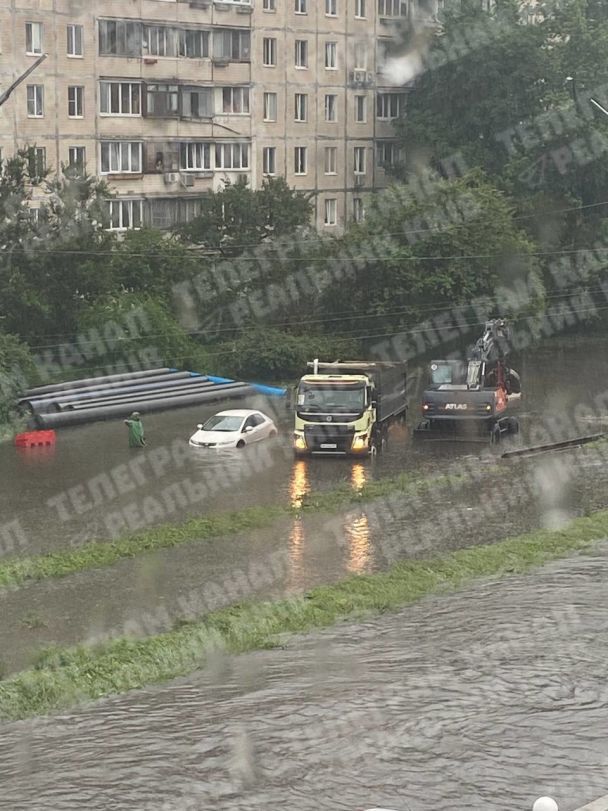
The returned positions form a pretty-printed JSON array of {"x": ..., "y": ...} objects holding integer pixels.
[
  {"x": 152, "y": 262},
  {"x": 415, "y": 258},
  {"x": 237, "y": 217},
  {"x": 487, "y": 72},
  {"x": 53, "y": 263}
]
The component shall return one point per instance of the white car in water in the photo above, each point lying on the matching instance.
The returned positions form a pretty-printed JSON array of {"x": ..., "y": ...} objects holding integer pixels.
[{"x": 233, "y": 429}]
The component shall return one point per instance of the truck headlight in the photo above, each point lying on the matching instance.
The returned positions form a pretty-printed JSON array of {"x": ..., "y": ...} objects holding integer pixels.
[
  {"x": 299, "y": 442},
  {"x": 360, "y": 442}
]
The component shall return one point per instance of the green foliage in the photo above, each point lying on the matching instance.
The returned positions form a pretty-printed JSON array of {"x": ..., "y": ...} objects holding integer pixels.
[
  {"x": 51, "y": 267},
  {"x": 138, "y": 327},
  {"x": 414, "y": 257},
  {"x": 238, "y": 218},
  {"x": 17, "y": 372},
  {"x": 270, "y": 354},
  {"x": 151, "y": 262}
]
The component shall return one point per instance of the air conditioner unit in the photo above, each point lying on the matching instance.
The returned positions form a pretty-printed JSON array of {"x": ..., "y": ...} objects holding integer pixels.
[
  {"x": 187, "y": 179},
  {"x": 359, "y": 75},
  {"x": 171, "y": 177},
  {"x": 370, "y": 77}
]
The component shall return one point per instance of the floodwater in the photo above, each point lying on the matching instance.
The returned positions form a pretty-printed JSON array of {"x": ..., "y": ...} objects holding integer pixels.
[
  {"x": 482, "y": 700},
  {"x": 81, "y": 490},
  {"x": 424, "y": 709},
  {"x": 149, "y": 593}
]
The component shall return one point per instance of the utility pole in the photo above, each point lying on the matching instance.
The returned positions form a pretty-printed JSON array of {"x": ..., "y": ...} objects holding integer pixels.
[
  {"x": 596, "y": 104},
  {"x": 6, "y": 95}
]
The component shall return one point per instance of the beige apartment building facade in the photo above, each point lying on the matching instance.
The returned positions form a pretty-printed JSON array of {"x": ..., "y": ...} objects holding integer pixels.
[{"x": 166, "y": 99}]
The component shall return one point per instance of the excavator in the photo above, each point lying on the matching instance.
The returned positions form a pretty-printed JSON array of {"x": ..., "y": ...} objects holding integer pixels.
[{"x": 475, "y": 397}]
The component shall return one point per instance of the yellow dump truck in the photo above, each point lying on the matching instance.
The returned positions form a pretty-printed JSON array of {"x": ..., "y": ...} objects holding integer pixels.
[{"x": 345, "y": 408}]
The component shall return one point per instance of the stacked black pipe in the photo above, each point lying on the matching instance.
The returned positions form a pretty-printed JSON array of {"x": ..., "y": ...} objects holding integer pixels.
[{"x": 115, "y": 396}]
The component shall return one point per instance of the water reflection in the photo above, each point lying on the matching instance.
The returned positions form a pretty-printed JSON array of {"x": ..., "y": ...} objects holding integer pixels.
[
  {"x": 357, "y": 537},
  {"x": 358, "y": 476},
  {"x": 299, "y": 485},
  {"x": 32, "y": 457},
  {"x": 296, "y": 554}
]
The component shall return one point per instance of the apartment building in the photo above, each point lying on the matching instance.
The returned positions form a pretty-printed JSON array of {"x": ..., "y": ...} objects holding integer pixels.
[{"x": 166, "y": 99}]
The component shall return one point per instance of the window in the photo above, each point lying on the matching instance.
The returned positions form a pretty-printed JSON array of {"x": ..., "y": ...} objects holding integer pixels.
[
  {"x": 331, "y": 8},
  {"x": 162, "y": 100},
  {"x": 301, "y": 53},
  {"x": 195, "y": 157},
  {"x": 235, "y": 100},
  {"x": 194, "y": 44},
  {"x": 331, "y": 160},
  {"x": 331, "y": 107},
  {"x": 360, "y": 10},
  {"x": 37, "y": 162},
  {"x": 75, "y": 101},
  {"x": 231, "y": 44},
  {"x": 125, "y": 214},
  {"x": 358, "y": 210},
  {"x": 120, "y": 38},
  {"x": 35, "y": 100},
  {"x": 269, "y": 48},
  {"x": 392, "y": 8},
  {"x": 197, "y": 102},
  {"x": 269, "y": 5},
  {"x": 387, "y": 153},
  {"x": 160, "y": 40},
  {"x": 77, "y": 158},
  {"x": 361, "y": 55},
  {"x": 300, "y": 6},
  {"x": 301, "y": 105},
  {"x": 269, "y": 160},
  {"x": 300, "y": 160},
  {"x": 389, "y": 105},
  {"x": 270, "y": 106},
  {"x": 120, "y": 98},
  {"x": 331, "y": 55},
  {"x": 360, "y": 109},
  {"x": 33, "y": 38},
  {"x": 75, "y": 40},
  {"x": 232, "y": 156},
  {"x": 331, "y": 211},
  {"x": 120, "y": 157},
  {"x": 359, "y": 160}
]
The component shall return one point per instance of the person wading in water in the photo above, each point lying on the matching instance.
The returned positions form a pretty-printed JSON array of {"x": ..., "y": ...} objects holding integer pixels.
[{"x": 136, "y": 431}]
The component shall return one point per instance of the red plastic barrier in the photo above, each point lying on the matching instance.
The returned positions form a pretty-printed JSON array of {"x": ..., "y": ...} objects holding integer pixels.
[{"x": 35, "y": 439}]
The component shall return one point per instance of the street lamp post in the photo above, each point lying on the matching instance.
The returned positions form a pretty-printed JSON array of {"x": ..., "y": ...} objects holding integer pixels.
[{"x": 6, "y": 95}]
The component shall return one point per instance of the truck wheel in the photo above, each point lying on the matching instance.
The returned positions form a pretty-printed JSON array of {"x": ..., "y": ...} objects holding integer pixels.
[{"x": 513, "y": 425}]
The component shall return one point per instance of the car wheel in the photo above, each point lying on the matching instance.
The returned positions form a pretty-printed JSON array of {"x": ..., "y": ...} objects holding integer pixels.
[
  {"x": 272, "y": 434},
  {"x": 240, "y": 443}
]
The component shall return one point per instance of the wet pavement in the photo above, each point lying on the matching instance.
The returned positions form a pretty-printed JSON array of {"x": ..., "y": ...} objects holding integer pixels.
[{"x": 484, "y": 699}]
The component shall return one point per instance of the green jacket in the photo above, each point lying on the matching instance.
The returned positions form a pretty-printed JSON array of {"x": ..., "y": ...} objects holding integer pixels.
[{"x": 136, "y": 433}]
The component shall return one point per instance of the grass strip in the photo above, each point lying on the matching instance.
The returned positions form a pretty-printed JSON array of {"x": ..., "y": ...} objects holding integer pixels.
[
  {"x": 17, "y": 571},
  {"x": 65, "y": 677}
]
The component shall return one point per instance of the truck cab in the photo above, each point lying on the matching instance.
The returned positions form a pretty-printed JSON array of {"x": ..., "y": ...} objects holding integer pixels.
[{"x": 345, "y": 407}]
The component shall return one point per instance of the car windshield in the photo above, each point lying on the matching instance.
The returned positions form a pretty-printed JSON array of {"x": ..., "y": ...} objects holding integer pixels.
[
  {"x": 316, "y": 397},
  {"x": 448, "y": 372},
  {"x": 223, "y": 422}
]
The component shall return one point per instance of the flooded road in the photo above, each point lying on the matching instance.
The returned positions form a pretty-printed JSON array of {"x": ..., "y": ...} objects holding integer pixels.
[
  {"x": 481, "y": 700},
  {"x": 81, "y": 490},
  {"x": 149, "y": 593}
]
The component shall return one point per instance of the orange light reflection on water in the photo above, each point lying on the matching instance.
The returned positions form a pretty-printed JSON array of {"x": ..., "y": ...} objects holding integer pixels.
[{"x": 299, "y": 484}]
